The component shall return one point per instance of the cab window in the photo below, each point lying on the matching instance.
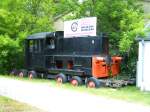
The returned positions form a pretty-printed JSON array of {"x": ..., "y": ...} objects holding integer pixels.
[
  {"x": 35, "y": 46},
  {"x": 51, "y": 43}
]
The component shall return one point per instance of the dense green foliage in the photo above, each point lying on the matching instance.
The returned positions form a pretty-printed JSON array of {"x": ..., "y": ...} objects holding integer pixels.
[
  {"x": 19, "y": 18},
  {"x": 9, "y": 49},
  {"x": 122, "y": 19}
]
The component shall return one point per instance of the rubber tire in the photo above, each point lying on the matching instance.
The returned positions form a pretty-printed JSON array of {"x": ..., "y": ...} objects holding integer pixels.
[
  {"x": 14, "y": 72},
  {"x": 34, "y": 74},
  {"x": 63, "y": 76},
  {"x": 24, "y": 72},
  {"x": 78, "y": 79},
  {"x": 93, "y": 79}
]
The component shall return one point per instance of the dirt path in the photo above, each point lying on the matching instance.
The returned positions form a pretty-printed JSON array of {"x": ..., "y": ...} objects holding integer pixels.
[{"x": 59, "y": 100}]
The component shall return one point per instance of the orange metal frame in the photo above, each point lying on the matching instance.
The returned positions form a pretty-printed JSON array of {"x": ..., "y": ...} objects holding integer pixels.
[{"x": 101, "y": 70}]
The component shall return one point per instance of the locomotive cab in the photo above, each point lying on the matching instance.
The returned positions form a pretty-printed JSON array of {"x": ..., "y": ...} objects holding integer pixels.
[{"x": 37, "y": 47}]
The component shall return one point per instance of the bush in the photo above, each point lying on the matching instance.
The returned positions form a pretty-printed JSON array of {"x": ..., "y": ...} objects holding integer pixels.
[{"x": 10, "y": 54}]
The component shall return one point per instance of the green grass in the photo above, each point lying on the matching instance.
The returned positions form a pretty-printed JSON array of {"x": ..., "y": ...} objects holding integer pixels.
[
  {"x": 8, "y": 105},
  {"x": 128, "y": 93}
]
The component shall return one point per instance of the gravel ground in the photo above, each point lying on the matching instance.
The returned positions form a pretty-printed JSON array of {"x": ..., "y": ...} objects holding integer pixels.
[{"x": 52, "y": 99}]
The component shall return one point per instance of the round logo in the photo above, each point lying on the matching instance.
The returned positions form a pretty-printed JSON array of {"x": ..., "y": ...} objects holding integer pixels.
[{"x": 74, "y": 26}]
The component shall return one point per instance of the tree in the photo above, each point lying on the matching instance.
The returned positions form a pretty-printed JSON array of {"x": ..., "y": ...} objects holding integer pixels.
[
  {"x": 122, "y": 19},
  {"x": 9, "y": 50},
  {"x": 18, "y": 19}
]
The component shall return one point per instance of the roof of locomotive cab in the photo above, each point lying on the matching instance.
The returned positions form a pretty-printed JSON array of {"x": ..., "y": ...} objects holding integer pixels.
[
  {"x": 43, "y": 35},
  {"x": 59, "y": 34}
]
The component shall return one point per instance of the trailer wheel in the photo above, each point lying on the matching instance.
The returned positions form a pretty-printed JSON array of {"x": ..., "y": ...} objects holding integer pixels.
[
  {"x": 61, "y": 78},
  {"x": 22, "y": 73},
  {"x": 92, "y": 82},
  {"x": 14, "y": 72},
  {"x": 76, "y": 81},
  {"x": 32, "y": 74}
]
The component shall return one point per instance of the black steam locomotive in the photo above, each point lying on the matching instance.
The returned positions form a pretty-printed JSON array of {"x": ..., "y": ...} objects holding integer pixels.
[{"x": 77, "y": 59}]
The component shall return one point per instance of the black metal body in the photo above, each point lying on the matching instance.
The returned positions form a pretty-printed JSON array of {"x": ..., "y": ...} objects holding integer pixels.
[{"x": 50, "y": 52}]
